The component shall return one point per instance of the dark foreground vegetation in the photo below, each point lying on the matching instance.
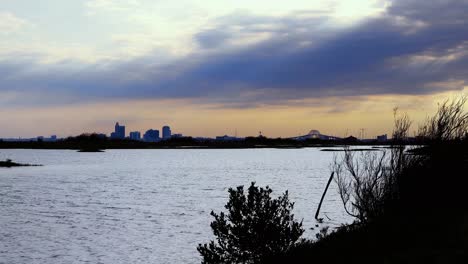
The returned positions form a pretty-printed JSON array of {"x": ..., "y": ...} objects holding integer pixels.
[
  {"x": 409, "y": 206},
  {"x": 254, "y": 228},
  {"x": 9, "y": 164}
]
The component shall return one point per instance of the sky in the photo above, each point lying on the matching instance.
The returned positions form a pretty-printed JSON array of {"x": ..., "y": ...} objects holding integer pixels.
[{"x": 215, "y": 67}]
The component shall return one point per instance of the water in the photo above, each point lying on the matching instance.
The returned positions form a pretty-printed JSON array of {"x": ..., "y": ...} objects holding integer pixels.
[{"x": 143, "y": 206}]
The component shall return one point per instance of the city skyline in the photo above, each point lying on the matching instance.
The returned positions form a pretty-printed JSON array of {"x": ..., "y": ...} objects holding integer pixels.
[
  {"x": 273, "y": 121},
  {"x": 156, "y": 135}
]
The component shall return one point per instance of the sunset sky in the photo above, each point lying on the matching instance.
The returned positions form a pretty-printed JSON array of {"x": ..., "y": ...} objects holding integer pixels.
[{"x": 212, "y": 67}]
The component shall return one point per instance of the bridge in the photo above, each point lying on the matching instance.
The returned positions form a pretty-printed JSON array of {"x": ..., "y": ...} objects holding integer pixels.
[{"x": 315, "y": 134}]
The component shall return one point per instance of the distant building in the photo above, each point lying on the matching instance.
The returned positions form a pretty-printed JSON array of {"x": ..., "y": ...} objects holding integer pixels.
[
  {"x": 227, "y": 138},
  {"x": 382, "y": 138},
  {"x": 52, "y": 138},
  {"x": 151, "y": 135},
  {"x": 135, "y": 135},
  {"x": 177, "y": 136},
  {"x": 119, "y": 132},
  {"x": 166, "y": 132}
]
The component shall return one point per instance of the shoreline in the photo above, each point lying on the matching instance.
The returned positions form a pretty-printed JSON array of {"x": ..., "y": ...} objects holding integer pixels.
[{"x": 82, "y": 147}]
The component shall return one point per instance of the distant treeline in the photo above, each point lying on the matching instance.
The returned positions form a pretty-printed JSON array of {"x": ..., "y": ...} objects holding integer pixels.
[{"x": 96, "y": 141}]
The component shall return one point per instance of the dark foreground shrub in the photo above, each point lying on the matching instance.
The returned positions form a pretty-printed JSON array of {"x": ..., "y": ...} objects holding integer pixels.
[
  {"x": 368, "y": 182},
  {"x": 409, "y": 202},
  {"x": 427, "y": 179},
  {"x": 254, "y": 228}
]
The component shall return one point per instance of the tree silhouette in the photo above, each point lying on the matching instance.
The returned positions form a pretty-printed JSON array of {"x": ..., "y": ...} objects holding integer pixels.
[{"x": 254, "y": 228}]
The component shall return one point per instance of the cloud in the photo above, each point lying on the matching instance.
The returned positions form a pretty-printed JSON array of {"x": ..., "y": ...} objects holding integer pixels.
[
  {"x": 242, "y": 28},
  {"x": 9, "y": 23},
  {"x": 414, "y": 47},
  {"x": 95, "y": 6}
]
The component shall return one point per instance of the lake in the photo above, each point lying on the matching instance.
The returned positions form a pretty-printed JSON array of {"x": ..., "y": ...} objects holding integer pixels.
[{"x": 143, "y": 206}]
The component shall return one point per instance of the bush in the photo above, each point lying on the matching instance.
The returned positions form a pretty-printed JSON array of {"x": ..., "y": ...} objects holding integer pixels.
[
  {"x": 449, "y": 123},
  {"x": 372, "y": 184},
  {"x": 255, "y": 228},
  {"x": 402, "y": 198},
  {"x": 368, "y": 183}
]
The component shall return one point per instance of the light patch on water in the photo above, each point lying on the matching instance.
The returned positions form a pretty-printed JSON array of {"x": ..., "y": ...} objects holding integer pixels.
[{"x": 143, "y": 206}]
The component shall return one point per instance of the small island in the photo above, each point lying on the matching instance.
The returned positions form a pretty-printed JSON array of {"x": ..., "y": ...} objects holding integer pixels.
[
  {"x": 92, "y": 149},
  {"x": 9, "y": 163}
]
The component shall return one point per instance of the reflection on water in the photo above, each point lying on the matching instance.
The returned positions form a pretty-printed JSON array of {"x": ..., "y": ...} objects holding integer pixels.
[{"x": 142, "y": 206}]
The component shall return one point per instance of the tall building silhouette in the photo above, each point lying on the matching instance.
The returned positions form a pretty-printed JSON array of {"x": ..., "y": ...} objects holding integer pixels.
[
  {"x": 151, "y": 135},
  {"x": 135, "y": 135},
  {"x": 166, "y": 132},
  {"x": 119, "y": 132}
]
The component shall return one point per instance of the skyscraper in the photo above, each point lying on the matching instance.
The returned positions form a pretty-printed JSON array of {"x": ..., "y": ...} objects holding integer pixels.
[
  {"x": 166, "y": 132},
  {"x": 151, "y": 136},
  {"x": 135, "y": 135},
  {"x": 119, "y": 132}
]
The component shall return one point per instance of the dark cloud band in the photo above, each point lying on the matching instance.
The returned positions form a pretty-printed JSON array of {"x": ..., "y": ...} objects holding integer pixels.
[{"x": 416, "y": 47}]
